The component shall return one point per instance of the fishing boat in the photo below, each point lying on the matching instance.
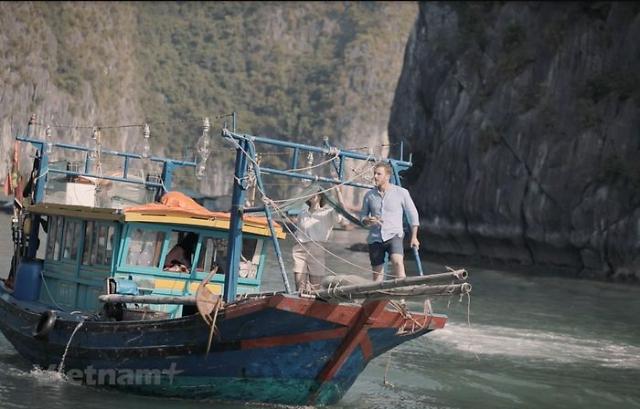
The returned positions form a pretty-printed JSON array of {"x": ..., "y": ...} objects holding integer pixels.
[{"x": 98, "y": 292}]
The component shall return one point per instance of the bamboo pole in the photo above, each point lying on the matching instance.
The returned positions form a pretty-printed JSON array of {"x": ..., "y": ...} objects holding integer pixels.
[
  {"x": 148, "y": 299},
  {"x": 344, "y": 290},
  {"x": 403, "y": 292},
  {"x": 417, "y": 291}
]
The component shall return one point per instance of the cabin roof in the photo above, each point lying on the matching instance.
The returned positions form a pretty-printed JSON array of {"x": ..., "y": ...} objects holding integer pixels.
[{"x": 175, "y": 208}]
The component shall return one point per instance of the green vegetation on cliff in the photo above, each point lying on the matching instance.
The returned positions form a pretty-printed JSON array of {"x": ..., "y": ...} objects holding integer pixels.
[
  {"x": 288, "y": 69},
  {"x": 302, "y": 70}
]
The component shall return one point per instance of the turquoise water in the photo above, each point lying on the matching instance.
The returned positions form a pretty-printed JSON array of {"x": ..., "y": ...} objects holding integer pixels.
[{"x": 517, "y": 342}]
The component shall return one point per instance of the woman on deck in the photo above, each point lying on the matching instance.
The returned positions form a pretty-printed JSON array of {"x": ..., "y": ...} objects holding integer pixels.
[{"x": 314, "y": 224}]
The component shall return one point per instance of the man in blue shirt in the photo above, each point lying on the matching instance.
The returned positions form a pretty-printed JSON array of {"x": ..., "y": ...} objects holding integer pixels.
[{"x": 382, "y": 211}]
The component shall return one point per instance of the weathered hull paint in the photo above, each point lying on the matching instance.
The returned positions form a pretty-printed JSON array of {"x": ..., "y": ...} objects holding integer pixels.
[{"x": 277, "y": 349}]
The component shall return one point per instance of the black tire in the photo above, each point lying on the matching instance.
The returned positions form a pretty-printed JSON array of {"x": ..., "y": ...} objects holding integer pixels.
[{"x": 45, "y": 324}]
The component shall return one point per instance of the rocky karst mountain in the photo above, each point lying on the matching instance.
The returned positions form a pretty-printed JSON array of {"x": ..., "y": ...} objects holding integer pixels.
[
  {"x": 525, "y": 127},
  {"x": 522, "y": 117}
]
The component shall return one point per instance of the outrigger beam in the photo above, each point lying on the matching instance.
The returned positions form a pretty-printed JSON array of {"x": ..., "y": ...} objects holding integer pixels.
[
  {"x": 328, "y": 150},
  {"x": 338, "y": 289},
  {"x": 148, "y": 299}
]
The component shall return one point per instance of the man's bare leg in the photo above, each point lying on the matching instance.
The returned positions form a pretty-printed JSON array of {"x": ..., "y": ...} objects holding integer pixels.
[
  {"x": 378, "y": 274},
  {"x": 299, "y": 279},
  {"x": 315, "y": 282},
  {"x": 397, "y": 260}
]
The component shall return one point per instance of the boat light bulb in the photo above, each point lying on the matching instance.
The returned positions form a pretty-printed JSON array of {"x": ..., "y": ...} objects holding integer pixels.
[
  {"x": 201, "y": 168},
  {"x": 146, "y": 147}
]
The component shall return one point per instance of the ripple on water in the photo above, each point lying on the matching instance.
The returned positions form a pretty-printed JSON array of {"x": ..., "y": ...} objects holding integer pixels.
[{"x": 514, "y": 342}]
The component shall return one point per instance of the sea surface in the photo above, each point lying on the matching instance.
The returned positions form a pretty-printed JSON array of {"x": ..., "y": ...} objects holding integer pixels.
[{"x": 518, "y": 341}]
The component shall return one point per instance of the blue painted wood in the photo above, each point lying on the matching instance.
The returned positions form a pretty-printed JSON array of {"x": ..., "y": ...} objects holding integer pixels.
[
  {"x": 167, "y": 176},
  {"x": 267, "y": 374},
  {"x": 247, "y": 361},
  {"x": 267, "y": 211},
  {"x": 35, "y": 142},
  {"x": 169, "y": 165},
  {"x": 235, "y": 226}
]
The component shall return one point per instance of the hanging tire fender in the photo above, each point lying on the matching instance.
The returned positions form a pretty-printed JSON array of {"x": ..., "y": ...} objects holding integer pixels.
[{"x": 45, "y": 324}]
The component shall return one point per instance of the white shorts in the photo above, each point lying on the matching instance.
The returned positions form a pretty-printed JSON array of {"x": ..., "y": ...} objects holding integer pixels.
[{"x": 304, "y": 263}]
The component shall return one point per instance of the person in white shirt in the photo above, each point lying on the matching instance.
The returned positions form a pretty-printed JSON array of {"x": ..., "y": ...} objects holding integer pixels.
[{"x": 313, "y": 224}]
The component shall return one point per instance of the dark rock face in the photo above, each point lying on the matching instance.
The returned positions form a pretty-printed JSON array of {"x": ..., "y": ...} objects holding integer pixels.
[{"x": 523, "y": 119}]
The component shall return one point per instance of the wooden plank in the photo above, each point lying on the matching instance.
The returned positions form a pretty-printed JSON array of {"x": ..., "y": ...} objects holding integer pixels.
[
  {"x": 270, "y": 342},
  {"x": 81, "y": 212},
  {"x": 357, "y": 332},
  {"x": 221, "y": 224},
  {"x": 148, "y": 299}
]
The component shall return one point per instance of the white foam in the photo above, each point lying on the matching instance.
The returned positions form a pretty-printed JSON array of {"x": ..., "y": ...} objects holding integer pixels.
[
  {"x": 48, "y": 377},
  {"x": 515, "y": 342}
]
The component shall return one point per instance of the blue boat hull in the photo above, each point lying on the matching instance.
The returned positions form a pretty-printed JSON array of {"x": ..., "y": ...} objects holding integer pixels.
[{"x": 277, "y": 349}]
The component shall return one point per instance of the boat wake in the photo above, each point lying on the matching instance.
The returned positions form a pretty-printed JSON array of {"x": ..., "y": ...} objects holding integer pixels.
[
  {"x": 514, "y": 342},
  {"x": 48, "y": 377}
]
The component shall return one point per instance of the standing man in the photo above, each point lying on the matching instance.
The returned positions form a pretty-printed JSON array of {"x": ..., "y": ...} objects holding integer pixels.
[{"x": 382, "y": 211}]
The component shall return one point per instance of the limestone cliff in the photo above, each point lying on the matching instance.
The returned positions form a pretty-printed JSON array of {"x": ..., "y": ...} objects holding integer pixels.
[
  {"x": 524, "y": 123},
  {"x": 296, "y": 70},
  {"x": 68, "y": 63}
]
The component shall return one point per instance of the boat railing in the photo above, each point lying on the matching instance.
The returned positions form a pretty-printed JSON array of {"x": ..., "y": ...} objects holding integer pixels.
[
  {"x": 86, "y": 168},
  {"x": 246, "y": 154}
]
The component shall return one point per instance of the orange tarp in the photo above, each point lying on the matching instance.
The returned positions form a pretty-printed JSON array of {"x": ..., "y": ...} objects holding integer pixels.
[{"x": 181, "y": 204}]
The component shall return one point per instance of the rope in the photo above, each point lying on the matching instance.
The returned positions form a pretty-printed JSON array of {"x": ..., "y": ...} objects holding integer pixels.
[
  {"x": 46, "y": 287},
  {"x": 335, "y": 156},
  {"x": 90, "y": 126},
  {"x": 213, "y": 328},
  {"x": 302, "y": 245},
  {"x": 365, "y": 165},
  {"x": 386, "y": 370},
  {"x": 273, "y": 204},
  {"x": 269, "y": 202},
  {"x": 357, "y": 175},
  {"x": 469, "y": 320},
  {"x": 141, "y": 125},
  {"x": 382, "y": 145},
  {"x": 310, "y": 240},
  {"x": 469, "y": 310},
  {"x": 39, "y": 176}
]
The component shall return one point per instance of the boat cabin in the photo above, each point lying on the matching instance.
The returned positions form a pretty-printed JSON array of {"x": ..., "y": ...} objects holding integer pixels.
[
  {"x": 153, "y": 249},
  {"x": 97, "y": 224}
]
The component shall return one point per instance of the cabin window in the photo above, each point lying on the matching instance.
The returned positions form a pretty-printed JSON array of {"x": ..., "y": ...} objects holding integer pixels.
[
  {"x": 54, "y": 237},
  {"x": 214, "y": 252},
  {"x": 58, "y": 239},
  {"x": 182, "y": 245},
  {"x": 71, "y": 239},
  {"x": 250, "y": 257},
  {"x": 98, "y": 244},
  {"x": 88, "y": 240},
  {"x": 145, "y": 247}
]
